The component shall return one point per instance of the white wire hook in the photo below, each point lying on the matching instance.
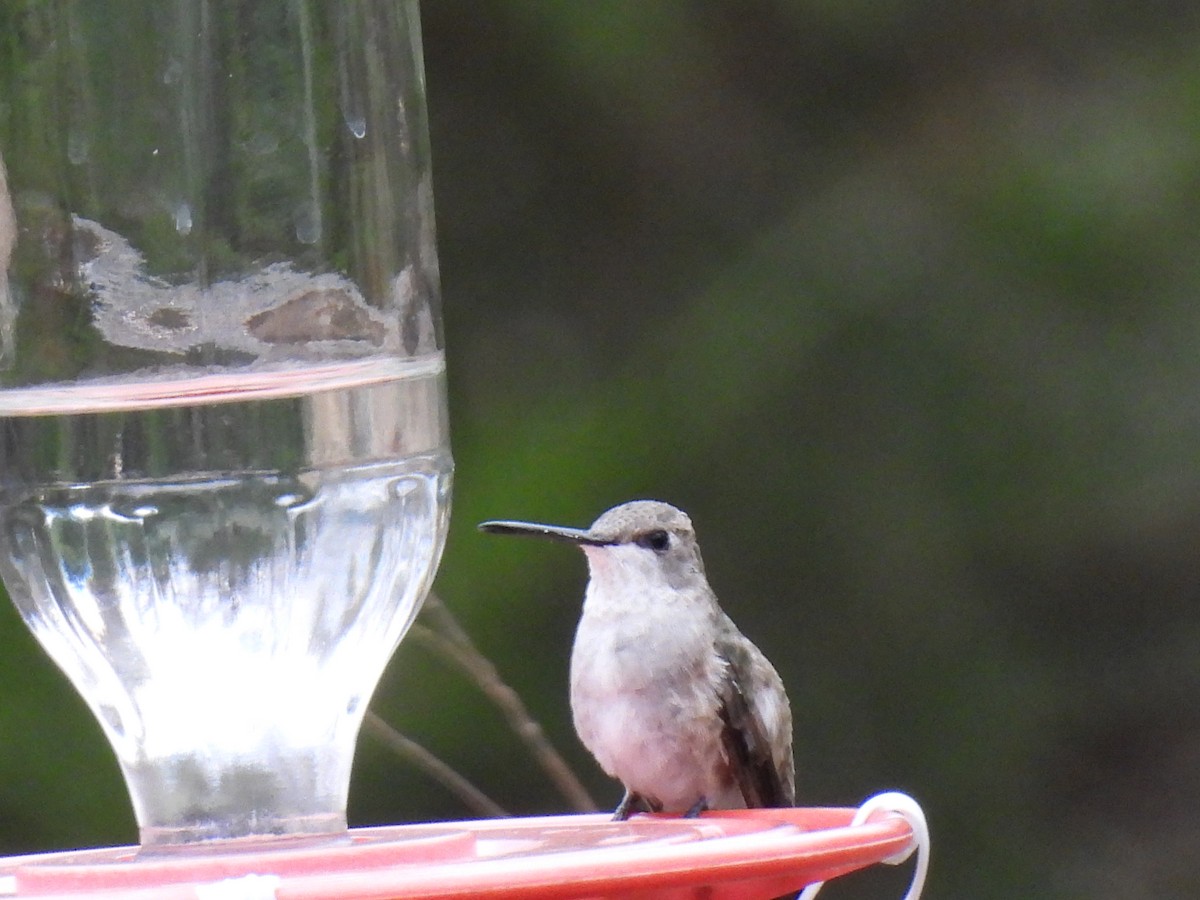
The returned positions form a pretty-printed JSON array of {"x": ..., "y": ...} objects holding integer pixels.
[{"x": 910, "y": 809}]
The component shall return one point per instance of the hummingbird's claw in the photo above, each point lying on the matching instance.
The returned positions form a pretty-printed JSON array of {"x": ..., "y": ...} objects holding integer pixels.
[
  {"x": 698, "y": 807},
  {"x": 633, "y": 802}
]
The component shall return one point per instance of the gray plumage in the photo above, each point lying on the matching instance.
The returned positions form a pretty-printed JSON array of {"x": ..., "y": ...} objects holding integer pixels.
[{"x": 666, "y": 693}]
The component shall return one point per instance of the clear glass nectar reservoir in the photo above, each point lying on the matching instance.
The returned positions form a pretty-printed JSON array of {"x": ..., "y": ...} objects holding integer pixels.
[{"x": 224, "y": 455}]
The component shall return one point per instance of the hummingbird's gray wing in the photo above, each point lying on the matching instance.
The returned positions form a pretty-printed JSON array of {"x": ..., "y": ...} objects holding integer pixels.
[{"x": 759, "y": 753}]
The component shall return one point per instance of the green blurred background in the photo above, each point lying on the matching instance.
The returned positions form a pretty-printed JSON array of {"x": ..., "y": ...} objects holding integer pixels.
[{"x": 899, "y": 301}]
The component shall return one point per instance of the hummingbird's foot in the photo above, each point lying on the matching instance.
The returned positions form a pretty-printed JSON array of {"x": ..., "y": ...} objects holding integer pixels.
[
  {"x": 698, "y": 807},
  {"x": 634, "y": 802}
]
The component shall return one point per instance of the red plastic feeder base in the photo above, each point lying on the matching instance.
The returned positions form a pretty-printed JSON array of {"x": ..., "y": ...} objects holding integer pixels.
[{"x": 743, "y": 854}]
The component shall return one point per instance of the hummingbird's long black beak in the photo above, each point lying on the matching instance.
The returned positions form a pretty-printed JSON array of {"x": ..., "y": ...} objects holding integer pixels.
[{"x": 549, "y": 532}]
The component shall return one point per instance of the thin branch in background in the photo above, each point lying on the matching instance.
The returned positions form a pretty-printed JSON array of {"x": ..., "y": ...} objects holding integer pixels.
[
  {"x": 448, "y": 639},
  {"x": 476, "y": 800}
]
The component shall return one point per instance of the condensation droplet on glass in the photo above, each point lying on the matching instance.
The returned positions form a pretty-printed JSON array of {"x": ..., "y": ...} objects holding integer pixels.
[
  {"x": 77, "y": 148},
  {"x": 183, "y": 218},
  {"x": 308, "y": 224},
  {"x": 262, "y": 143},
  {"x": 172, "y": 71},
  {"x": 357, "y": 126}
]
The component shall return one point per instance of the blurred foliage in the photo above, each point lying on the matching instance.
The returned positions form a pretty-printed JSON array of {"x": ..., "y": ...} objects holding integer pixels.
[{"x": 898, "y": 300}]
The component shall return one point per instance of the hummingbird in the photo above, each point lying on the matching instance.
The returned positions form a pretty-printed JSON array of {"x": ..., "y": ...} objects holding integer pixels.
[{"x": 667, "y": 694}]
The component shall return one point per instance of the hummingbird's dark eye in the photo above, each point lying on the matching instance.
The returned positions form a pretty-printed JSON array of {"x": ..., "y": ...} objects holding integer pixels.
[{"x": 657, "y": 540}]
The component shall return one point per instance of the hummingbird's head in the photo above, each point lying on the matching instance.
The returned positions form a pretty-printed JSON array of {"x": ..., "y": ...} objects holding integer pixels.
[{"x": 643, "y": 540}]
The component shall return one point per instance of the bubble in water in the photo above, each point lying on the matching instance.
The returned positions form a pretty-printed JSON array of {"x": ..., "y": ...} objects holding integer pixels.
[{"x": 183, "y": 218}]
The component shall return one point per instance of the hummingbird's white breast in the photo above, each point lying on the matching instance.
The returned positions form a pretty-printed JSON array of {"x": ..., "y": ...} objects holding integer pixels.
[{"x": 645, "y": 681}]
